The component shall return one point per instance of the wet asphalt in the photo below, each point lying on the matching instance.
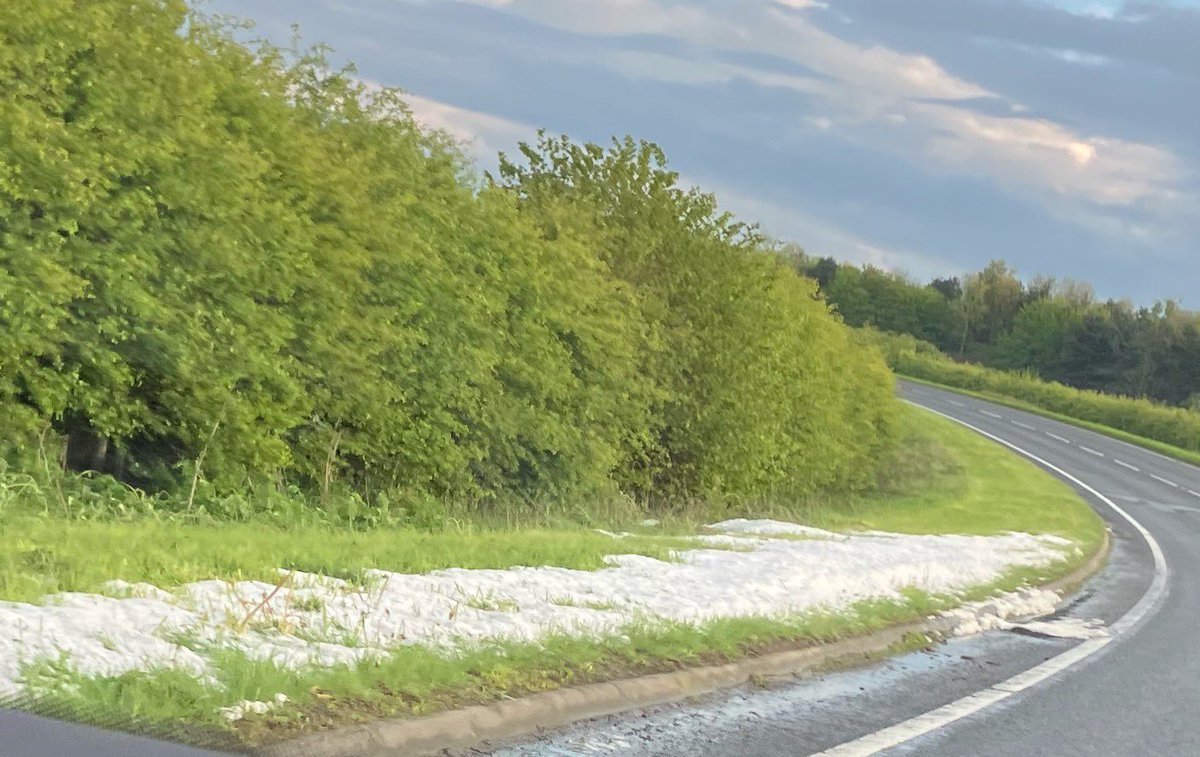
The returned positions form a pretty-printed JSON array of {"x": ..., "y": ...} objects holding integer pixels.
[{"x": 1139, "y": 695}]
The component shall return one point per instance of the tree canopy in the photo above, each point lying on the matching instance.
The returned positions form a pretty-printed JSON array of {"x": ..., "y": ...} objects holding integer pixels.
[
  {"x": 1054, "y": 328},
  {"x": 241, "y": 259}
]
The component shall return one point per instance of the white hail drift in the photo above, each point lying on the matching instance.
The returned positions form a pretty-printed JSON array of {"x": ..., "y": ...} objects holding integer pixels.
[{"x": 311, "y": 619}]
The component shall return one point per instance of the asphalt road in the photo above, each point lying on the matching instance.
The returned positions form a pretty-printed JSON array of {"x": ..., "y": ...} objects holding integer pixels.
[
  {"x": 1138, "y": 695},
  {"x": 26, "y": 735}
]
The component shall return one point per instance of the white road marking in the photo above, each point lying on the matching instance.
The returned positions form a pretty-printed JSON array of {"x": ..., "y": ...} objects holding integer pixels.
[
  {"x": 1194, "y": 494},
  {"x": 1025, "y": 426},
  {"x": 945, "y": 715},
  {"x": 1147, "y": 451},
  {"x": 1127, "y": 465},
  {"x": 990, "y": 414},
  {"x": 1136, "y": 447},
  {"x": 1091, "y": 451},
  {"x": 1062, "y": 439},
  {"x": 1168, "y": 482},
  {"x": 956, "y": 403},
  {"x": 968, "y": 705}
]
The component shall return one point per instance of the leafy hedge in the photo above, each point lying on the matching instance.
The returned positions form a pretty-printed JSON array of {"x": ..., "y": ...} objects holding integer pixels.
[
  {"x": 1171, "y": 425},
  {"x": 241, "y": 263}
]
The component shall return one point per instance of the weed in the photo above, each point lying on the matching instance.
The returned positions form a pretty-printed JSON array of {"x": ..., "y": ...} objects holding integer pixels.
[
  {"x": 107, "y": 641},
  {"x": 309, "y": 603},
  {"x": 188, "y": 639},
  {"x": 490, "y": 602},
  {"x": 590, "y": 604}
]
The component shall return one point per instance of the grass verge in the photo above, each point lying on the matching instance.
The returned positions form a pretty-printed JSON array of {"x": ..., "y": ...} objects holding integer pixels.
[
  {"x": 42, "y": 555},
  {"x": 944, "y": 479},
  {"x": 948, "y": 479},
  {"x": 416, "y": 680}
]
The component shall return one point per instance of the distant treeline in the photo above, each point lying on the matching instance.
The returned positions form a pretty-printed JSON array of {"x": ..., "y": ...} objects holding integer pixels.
[
  {"x": 1056, "y": 329},
  {"x": 244, "y": 263}
]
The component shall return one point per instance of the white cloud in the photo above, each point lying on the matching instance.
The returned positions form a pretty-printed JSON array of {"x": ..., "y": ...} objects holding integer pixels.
[
  {"x": 801, "y": 4},
  {"x": 1037, "y": 153},
  {"x": 667, "y": 68},
  {"x": 821, "y": 237},
  {"x": 484, "y": 135},
  {"x": 902, "y": 101}
]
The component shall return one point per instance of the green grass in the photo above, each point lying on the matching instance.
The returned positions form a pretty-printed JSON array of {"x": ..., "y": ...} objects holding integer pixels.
[
  {"x": 41, "y": 555},
  {"x": 943, "y": 479},
  {"x": 977, "y": 488},
  {"x": 948, "y": 479},
  {"x": 1170, "y": 450},
  {"x": 415, "y": 680},
  {"x": 490, "y": 603},
  {"x": 590, "y": 604}
]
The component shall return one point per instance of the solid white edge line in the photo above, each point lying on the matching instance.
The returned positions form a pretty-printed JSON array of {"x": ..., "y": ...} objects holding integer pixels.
[
  {"x": 1166, "y": 481},
  {"x": 1124, "y": 464},
  {"x": 1062, "y": 439},
  {"x": 1091, "y": 451},
  {"x": 968, "y": 705}
]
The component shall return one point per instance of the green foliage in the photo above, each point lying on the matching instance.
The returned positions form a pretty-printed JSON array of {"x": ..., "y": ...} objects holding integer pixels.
[
  {"x": 1040, "y": 333},
  {"x": 870, "y": 296},
  {"x": 1175, "y": 426},
  {"x": 1052, "y": 328},
  {"x": 754, "y": 387},
  {"x": 75, "y": 533},
  {"x": 226, "y": 269}
]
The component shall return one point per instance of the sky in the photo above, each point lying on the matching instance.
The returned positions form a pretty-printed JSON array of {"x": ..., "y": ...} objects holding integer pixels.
[{"x": 926, "y": 136}]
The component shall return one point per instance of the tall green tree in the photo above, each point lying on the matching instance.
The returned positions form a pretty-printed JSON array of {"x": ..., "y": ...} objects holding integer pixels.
[
  {"x": 243, "y": 265},
  {"x": 737, "y": 349}
]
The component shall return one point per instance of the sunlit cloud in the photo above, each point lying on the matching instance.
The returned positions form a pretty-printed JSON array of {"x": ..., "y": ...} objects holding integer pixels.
[
  {"x": 857, "y": 128},
  {"x": 931, "y": 109},
  {"x": 483, "y": 135}
]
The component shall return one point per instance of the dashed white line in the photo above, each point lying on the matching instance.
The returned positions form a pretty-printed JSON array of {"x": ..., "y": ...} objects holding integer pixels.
[
  {"x": 943, "y": 716},
  {"x": 1025, "y": 426},
  {"x": 956, "y": 403},
  {"x": 1194, "y": 494},
  {"x": 991, "y": 414},
  {"x": 1091, "y": 451},
  {"x": 1127, "y": 465},
  {"x": 1166, "y": 481},
  {"x": 1062, "y": 439}
]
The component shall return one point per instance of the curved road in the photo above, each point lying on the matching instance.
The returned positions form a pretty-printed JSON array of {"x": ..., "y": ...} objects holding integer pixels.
[{"x": 1137, "y": 694}]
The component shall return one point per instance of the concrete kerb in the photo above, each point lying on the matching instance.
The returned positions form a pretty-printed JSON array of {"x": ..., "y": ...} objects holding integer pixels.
[{"x": 472, "y": 726}]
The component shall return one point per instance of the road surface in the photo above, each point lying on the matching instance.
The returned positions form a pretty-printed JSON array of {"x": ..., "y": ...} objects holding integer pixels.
[
  {"x": 26, "y": 735},
  {"x": 1138, "y": 694}
]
